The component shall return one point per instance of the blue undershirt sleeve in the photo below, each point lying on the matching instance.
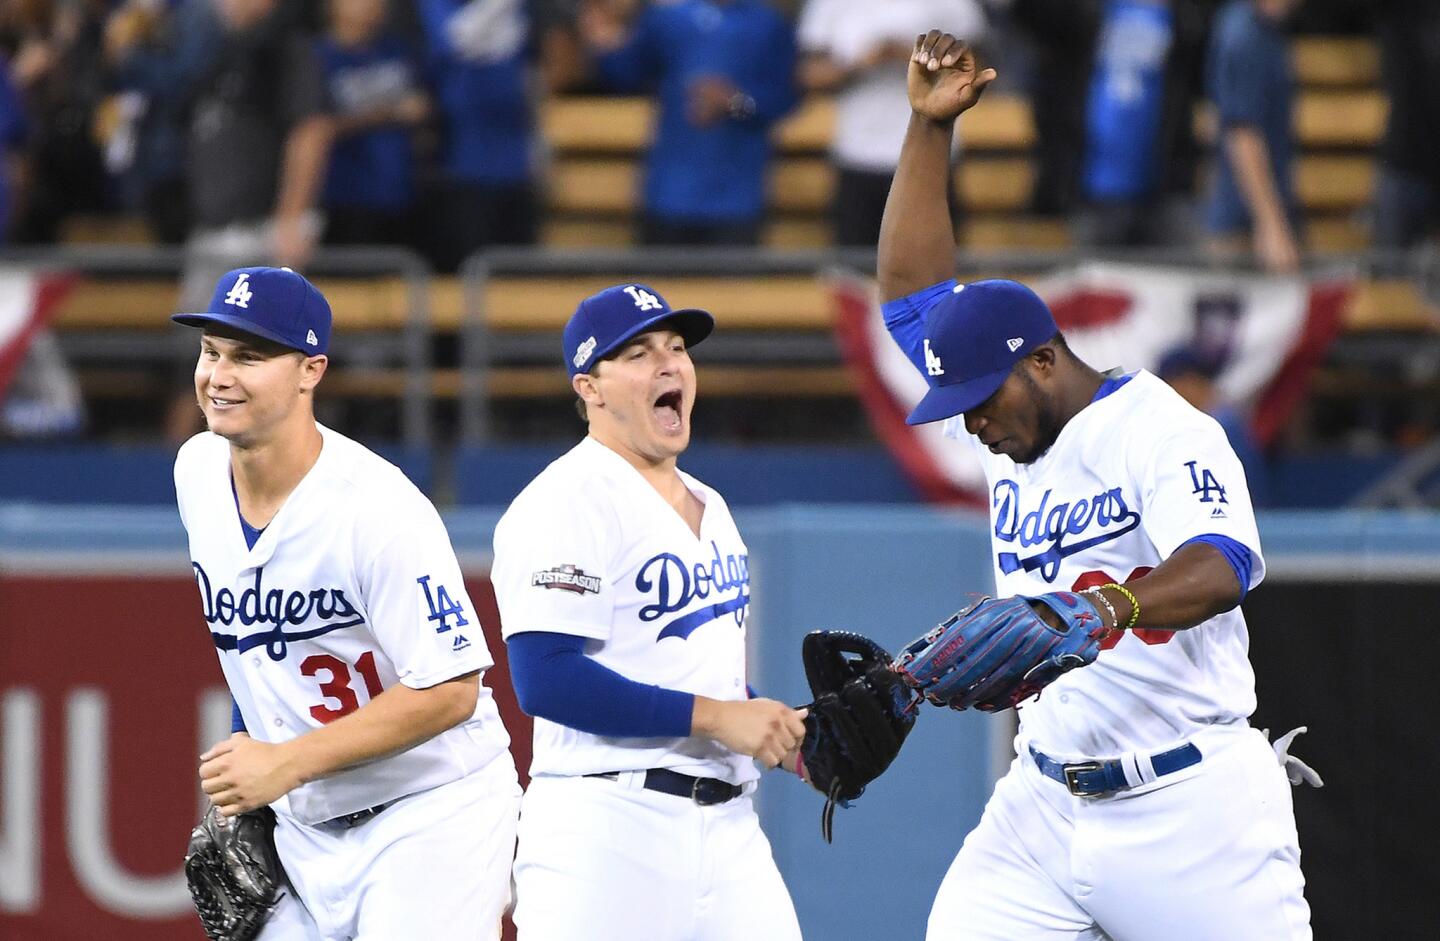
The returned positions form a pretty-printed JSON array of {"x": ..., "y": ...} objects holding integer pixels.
[
  {"x": 905, "y": 319},
  {"x": 237, "y": 721},
  {"x": 555, "y": 680},
  {"x": 1235, "y": 553}
]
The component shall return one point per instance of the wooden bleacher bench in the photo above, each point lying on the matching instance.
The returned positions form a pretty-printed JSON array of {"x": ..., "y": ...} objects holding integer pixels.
[
  {"x": 1390, "y": 305},
  {"x": 598, "y": 145},
  {"x": 517, "y": 303},
  {"x": 1328, "y": 183},
  {"x": 544, "y": 302},
  {"x": 770, "y": 302},
  {"x": 544, "y": 382},
  {"x": 1335, "y": 61},
  {"x": 1348, "y": 118},
  {"x": 622, "y": 125}
]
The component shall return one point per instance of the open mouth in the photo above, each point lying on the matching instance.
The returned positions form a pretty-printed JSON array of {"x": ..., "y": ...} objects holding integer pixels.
[
  {"x": 667, "y": 411},
  {"x": 221, "y": 404}
]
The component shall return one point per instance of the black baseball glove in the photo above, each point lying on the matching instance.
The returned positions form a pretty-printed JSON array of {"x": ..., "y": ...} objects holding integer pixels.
[
  {"x": 861, "y": 714},
  {"x": 234, "y": 873}
]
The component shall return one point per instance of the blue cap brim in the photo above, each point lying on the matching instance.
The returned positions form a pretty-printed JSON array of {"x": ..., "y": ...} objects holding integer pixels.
[
  {"x": 943, "y": 402},
  {"x": 692, "y": 323},
  {"x": 239, "y": 323}
]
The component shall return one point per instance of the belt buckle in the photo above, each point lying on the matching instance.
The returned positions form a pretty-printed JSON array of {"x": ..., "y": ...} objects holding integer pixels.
[
  {"x": 704, "y": 792},
  {"x": 351, "y": 821},
  {"x": 1072, "y": 773}
]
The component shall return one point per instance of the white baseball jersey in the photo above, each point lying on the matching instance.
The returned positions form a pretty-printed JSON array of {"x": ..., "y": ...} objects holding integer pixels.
[
  {"x": 590, "y": 548},
  {"x": 351, "y": 588},
  {"x": 1130, "y": 479}
]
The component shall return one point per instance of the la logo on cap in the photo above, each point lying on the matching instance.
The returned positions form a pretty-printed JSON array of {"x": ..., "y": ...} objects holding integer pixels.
[
  {"x": 240, "y": 292},
  {"x": 933, "y": 366},
  {"x": 643, "y": 298}
]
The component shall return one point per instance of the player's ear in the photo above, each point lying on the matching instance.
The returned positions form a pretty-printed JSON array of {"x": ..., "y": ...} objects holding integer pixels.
[
  {"x": 312, "y": 370},
  {"x": 585, "y": 387},
  {"x": 1042, "y": 359}
]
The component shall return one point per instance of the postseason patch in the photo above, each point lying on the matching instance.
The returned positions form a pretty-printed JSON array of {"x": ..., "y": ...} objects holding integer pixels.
[{"x": 567, "y": 578}]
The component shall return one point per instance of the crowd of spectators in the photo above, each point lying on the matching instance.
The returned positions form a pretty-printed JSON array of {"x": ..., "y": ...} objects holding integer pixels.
[{"x": 259, "y": 128}]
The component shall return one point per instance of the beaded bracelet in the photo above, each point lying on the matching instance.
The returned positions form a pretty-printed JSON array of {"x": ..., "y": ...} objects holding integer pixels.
[
  {"x": 1134, "y": 604},
  {"x": 1105, "y": 602}
]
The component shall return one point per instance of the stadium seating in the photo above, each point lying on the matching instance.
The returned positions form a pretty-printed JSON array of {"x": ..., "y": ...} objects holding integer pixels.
[{"x": 596, "y": 145}]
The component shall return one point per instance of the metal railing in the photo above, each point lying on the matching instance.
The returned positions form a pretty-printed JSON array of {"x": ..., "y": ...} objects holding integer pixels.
[
  {"x": 481, "y": 346},
  {"x": 411, "y": 347}
]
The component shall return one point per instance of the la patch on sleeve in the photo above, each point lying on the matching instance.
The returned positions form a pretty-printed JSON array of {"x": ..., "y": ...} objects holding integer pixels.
[{"x": 1206, "y": 486}]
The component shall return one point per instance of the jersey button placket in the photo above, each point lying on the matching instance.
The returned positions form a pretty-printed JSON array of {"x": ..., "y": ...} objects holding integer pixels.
[{"x": 1083, "y": 845}]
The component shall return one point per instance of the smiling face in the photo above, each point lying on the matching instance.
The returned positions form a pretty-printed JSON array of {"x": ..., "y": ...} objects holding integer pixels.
[
  {"x": 251, "y": 389},
  {"x": 638, "y": 399},
  {"x": 1022, "y": 419}
]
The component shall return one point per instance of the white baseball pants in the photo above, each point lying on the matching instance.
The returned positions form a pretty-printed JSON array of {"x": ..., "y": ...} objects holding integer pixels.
[
  {"x": 433, "y": 865},
  {"x": 1207, "y": 853},
  {"x": 607, "y": 860}
]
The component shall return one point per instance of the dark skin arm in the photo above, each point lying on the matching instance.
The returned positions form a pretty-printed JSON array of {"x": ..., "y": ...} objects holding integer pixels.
[
  {"x": 917, "y": 249},
  {"x": 1191, "y": 587},
  {"x": 917, "y": 242}
]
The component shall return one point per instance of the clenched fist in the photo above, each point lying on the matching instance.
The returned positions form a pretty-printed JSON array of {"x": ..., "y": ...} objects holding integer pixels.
[{"x": 945, "y": 79}]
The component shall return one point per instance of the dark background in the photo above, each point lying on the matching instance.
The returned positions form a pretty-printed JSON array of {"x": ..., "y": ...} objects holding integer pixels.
[{"x": 1356, "y": 663}]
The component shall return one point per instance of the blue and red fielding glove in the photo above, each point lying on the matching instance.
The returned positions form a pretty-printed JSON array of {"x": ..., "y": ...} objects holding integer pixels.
[{"x": 997, "y": 653}]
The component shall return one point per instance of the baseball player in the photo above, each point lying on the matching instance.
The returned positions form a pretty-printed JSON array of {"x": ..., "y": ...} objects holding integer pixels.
[
  {"x": 353, "y": 653},
  {"x": 1140, "y": 804},
  {"x": 623, "y": 587}
]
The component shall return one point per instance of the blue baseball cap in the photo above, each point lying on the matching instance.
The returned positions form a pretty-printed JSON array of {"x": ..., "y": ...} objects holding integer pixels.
[
  {"x": 606, "y": 321},
  {"x": 274, "y": 303},
  {"x": 973, "y": 338}
]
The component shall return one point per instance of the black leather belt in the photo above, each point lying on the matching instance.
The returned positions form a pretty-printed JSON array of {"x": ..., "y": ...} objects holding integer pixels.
[
  {"x": 358, "y": 817},
  {"x": 703, "y": 791}
]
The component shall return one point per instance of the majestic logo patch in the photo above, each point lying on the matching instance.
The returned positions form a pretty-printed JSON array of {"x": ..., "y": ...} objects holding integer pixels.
[
  {"x": 460, "y": 643},
  {"x": 567, "y": 578},
  {"x": 933, "y": 366},
  {"x": 1015, "y": 343},
  {"x": 583, "y": 353}
]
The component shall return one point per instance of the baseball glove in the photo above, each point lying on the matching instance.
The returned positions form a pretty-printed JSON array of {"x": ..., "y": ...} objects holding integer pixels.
[
  {"x": 861, "y": 714},
  {"x": 996, "y": 653},
  {"x": 234, "y": 873}
]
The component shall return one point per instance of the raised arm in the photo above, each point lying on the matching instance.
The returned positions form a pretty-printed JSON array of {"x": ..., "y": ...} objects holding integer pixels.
[{"x": 917, "y": 242}]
